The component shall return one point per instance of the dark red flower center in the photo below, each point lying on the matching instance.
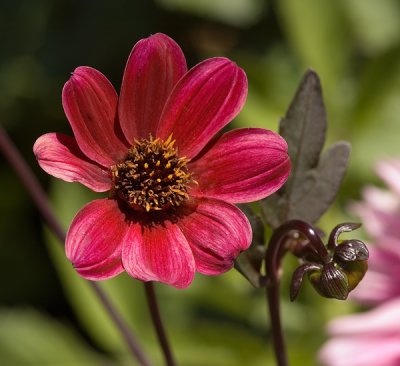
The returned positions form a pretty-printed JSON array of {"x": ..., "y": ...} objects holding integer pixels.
[{"x": 152, "y": 176}]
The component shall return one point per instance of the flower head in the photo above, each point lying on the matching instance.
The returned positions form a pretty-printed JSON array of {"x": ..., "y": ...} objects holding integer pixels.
[
  {"x": 380, "y": 212},
  {"x": 172, "y": 182},
  {"x": 373, "y": 337},
  {"x": 368, "y": 339}
]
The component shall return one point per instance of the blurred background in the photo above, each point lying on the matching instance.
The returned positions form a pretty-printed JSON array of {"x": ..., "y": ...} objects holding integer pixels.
[{"x": 48, "y": 316}]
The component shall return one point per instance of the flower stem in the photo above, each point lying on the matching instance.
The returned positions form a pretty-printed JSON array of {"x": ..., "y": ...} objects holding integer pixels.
[
  {"x": 275, "y": 252},
  {"x": 276, "y": 247},
  {"x": 156, "y": 318},
  {"x": 39, "y": 197},
  {"x": 273, "y": 298},
  {"x": 127, "y": 334}
]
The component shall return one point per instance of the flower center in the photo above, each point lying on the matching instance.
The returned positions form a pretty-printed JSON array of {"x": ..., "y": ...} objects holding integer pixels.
[{"x": 152, "y": 176}]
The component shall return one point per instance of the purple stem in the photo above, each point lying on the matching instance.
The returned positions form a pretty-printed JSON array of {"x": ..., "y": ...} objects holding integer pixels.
[
  {"x": 275, "y": 251},
  {"x": 156, "y": 318},
  {"x": 276, "y": 245},
  {"x": 273, "y": 298},
  {"x": 40, "y": 199}
]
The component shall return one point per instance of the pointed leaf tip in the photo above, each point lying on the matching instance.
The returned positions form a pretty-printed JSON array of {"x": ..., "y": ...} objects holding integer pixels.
[
  {"x": 312, "y": 75},
  {"x": 315, "y": 179},
  {"x": 304, "y": 126}
]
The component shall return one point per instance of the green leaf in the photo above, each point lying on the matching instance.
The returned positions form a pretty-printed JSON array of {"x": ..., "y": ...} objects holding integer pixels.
[
  {"x": 30, "y": 338},
  {"x": 313, "y": 183}
]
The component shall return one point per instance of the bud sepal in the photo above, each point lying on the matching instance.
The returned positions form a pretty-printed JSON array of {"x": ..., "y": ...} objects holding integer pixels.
[{"x": 334, "y": 275}]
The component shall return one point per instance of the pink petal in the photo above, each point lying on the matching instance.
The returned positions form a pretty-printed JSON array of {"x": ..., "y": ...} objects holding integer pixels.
[
  {"x": 60, "y": 156},
  {"x": 380, "y": 289},
  {"x": 158, "y": 252},
  {"x": 380, "y": 199},
  {"x": 389, "y": 171},
  {"x": 243, "y": 165},
  {"x": 370, "y": 338},
  {"x": 378, "y": 222},
  {"x": 217, "y": 232},
  {"x": 90, "y": 103},
  {"x": 154, "y": 67},
  {"x": 384, "y": 265},
  {"x": 94, "y": 240},
  {"x": 361, "y": 351},
  {"x": 382, "y": 319},
  {"x": 208, "y": 97}
]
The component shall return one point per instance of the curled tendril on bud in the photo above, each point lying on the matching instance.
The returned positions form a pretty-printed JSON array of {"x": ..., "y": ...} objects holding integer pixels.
[{"x": 336, "y": 274}]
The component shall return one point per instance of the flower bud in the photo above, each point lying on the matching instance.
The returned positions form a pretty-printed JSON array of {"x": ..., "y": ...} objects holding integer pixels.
[
  {"x": 335, "y": 269},
  {"x": 331, "y": 282},
  {"x": 338, "y": 276},
  {"x": 350, "y": 251},
  {"x": 352, "y": 256}
]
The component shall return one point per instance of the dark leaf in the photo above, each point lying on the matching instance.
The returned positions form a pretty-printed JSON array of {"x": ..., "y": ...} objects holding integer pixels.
[
  {"x": 247, "y": 265},
  {"x": 273, "y": 208},
  {"x": 249, "y": 262},
  {"x": 304, "y": 127},
  {"x": 314, "y": 182},
  {"x": 320, "y": 186}
]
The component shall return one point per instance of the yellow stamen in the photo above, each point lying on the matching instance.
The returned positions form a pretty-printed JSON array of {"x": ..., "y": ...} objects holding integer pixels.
[{"x": 152, "y": 177}]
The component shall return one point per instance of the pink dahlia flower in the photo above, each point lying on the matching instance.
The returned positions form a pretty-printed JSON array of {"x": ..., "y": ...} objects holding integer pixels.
[
  {"x": 380, "y": 213},
  {"x": 368, "y": 339},
  {"x": 373, "y": 338},
  {"x": 172, "y": 183}
]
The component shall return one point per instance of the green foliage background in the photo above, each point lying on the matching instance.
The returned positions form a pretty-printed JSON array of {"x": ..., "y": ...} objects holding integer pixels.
[{"x": 48, "y": 316}]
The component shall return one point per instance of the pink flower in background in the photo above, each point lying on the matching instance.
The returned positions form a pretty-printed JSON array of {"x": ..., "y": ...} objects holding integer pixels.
[
  {"x": 172, "y": 182},
  {"x": 380, "y": 214},
  {"x": 373, "y": 337},
  {"x": 367, "y": 339}
]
